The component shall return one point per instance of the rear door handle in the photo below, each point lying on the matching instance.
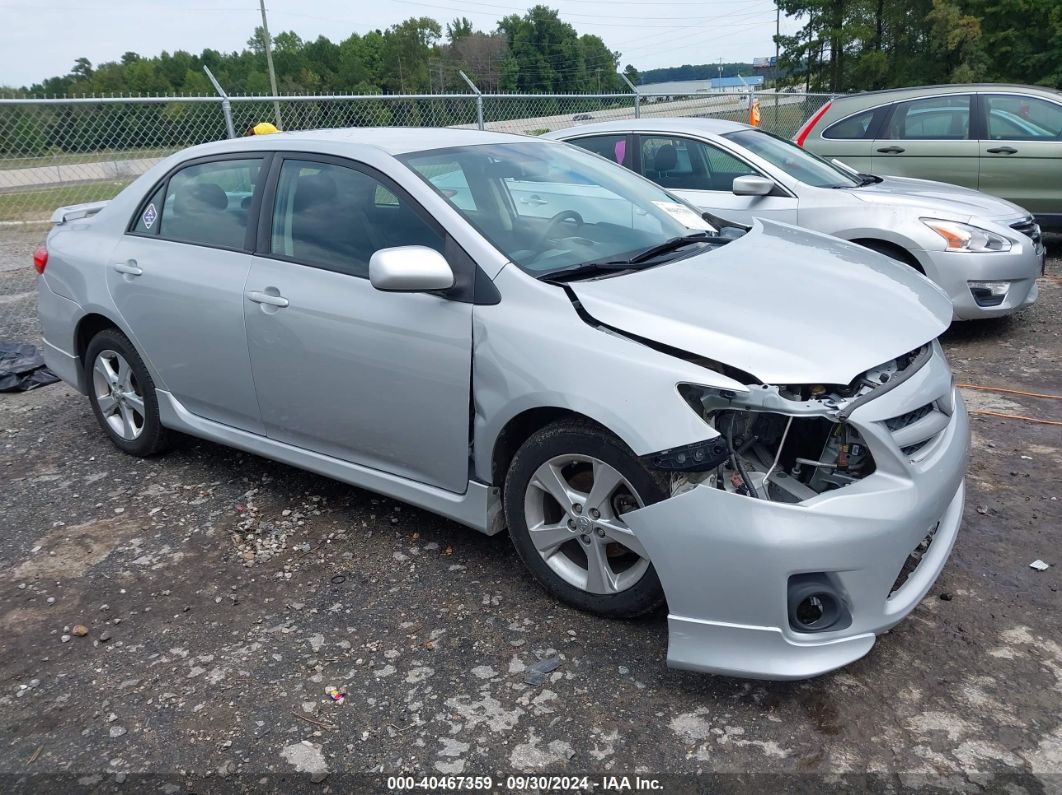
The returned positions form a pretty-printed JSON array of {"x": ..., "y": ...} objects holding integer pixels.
[
  {"x": 891, "y": 150},
  {"x": 128, "y": 268},
  {"x": 534, "y": 201},
  {"x": 1002, "y": 150},
  {"x": 266, "y": 298}
]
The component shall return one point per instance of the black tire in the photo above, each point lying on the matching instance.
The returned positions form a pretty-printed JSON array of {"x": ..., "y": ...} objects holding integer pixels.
[
  {"x": 892, "y": 252},
  {"x": 580, "y": 437},
  {"x": 152, "y": 437}
]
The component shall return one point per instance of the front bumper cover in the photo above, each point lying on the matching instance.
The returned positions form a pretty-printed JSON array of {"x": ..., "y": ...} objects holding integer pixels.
[
  {"x": 1020, "y": 266},
  {"x": 725, "y": 560}
]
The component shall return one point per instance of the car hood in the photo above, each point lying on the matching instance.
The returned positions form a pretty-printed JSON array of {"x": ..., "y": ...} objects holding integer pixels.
[
  {"x": 787, "y": 305},
  {"x": 939, "y": 197}
]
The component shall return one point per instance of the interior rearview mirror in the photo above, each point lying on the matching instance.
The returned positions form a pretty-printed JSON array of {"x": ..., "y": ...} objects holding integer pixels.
[
  {"x": 410, "y": 269},
  {"x": 752, "y": 185}
]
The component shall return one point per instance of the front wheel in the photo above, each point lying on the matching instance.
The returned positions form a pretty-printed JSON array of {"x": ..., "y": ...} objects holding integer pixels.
[
  {"x": 566, "y": 493},
  {"x": 123, "y": 395}
]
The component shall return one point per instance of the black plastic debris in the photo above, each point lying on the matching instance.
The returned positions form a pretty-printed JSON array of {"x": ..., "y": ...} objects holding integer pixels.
[{"x": 22, "y": 367}]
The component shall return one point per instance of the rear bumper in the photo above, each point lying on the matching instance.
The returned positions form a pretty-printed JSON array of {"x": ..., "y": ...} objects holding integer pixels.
[
  {"x": 58, "y": 317},
  {"x": 725, "y": 560}
]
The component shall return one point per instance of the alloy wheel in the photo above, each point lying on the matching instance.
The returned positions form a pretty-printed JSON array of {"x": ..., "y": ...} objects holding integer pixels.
[
  {"x": 573, "y": 507},
  {"x": 118, "y": 395}
]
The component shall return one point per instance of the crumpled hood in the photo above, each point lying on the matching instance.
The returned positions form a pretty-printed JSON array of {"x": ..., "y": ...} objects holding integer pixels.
[
  {"x": 942, "y": 199},
  {"x": 787, "y": 305}
]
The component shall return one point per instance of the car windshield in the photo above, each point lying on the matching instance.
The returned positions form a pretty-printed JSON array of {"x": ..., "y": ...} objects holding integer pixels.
[
  {"x": 794, "y": 161},
  {"x": 550, "y": 207}
]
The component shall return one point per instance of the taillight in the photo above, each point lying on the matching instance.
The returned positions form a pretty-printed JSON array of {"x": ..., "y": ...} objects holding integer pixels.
[
  {"x": 40, "y": 259},
  {"x": 803, "y": 133}
]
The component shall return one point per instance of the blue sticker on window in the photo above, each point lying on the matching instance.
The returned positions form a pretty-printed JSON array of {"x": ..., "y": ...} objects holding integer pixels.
[{"x": 149, "y": 216}]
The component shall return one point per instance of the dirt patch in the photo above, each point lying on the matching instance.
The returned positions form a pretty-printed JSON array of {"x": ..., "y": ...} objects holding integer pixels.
[{"x": 69, "y": 552}]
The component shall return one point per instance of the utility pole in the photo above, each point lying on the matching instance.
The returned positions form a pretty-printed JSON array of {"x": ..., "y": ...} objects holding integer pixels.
[
  {"x": 269, "y": 63},
  {"x": 777, "y": 33}
]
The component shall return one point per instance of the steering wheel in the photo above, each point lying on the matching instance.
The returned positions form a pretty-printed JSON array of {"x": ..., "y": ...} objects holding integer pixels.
[{"x": 555, "y": 222}]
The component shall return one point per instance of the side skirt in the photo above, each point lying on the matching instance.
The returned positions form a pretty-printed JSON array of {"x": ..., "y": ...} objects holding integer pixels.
[{"x": 480, "y": 507}]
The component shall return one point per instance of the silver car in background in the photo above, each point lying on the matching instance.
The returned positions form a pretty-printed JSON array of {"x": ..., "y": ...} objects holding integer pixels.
[
  {"x": 744, "y": 425},
  {"x": 984, "y": 251}
]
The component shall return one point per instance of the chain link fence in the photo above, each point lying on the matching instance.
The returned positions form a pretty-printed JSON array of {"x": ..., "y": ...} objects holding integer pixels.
[{"x": 57, "y": 152}]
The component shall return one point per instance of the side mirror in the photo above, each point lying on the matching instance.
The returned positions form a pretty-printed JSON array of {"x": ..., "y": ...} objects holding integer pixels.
[
  {"x": 751, "y": 185},
  {"x": 410, "y": 269}
]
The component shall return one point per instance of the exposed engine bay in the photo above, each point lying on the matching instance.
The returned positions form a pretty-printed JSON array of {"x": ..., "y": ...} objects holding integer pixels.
[
  {"x": 785, "y": 459},
  {"x": 789, "y": 443}
]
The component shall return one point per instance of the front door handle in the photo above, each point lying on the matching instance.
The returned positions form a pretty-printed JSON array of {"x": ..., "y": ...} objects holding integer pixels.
[
  {"x": 891, "y": 150},
  {"x": 1002, "y": 150},
  {"x": 534, "y": 200},
  {"x": 128, "y": 268},
  {"x": 266, "y": 298}
]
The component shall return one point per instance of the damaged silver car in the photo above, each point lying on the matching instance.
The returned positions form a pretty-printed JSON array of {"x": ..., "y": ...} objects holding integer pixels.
[{"x": 736, "y": 423}]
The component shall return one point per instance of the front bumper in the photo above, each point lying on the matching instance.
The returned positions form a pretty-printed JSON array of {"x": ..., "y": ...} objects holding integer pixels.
[
  {"x": 725, "y": 560},
  {"x": 954, "y": 270}
]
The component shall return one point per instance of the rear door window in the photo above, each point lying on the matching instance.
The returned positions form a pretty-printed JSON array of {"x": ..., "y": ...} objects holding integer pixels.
[
  {"x": 853, "y": 128},
  {"x": 1010, "y": 117},
  {"x": 610, "y": 147},
  {"x": 945, "y": 118},
  {"x": 209, "y": 204}
]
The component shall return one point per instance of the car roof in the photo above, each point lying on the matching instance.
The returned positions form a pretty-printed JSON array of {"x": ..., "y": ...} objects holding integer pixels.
[
  {"x": 392, "y": 140},
  {"x": 670, "y": 125},
  {"x": 949, "y": 88}
]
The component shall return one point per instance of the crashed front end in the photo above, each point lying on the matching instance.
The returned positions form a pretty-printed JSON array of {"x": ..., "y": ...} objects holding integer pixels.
[{"x": 817, "y": 518}]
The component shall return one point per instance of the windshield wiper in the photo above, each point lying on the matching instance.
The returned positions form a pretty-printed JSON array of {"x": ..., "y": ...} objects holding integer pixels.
[
  {"x": 632, "y": 264},
  {"x": 864, "y": 180},
  {"x": 586, "y": 269},
  {"x": 669, "y": 245}
]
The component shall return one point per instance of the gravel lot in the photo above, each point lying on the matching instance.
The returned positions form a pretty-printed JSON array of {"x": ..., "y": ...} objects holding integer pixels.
[{"x": 223, "y": 593}]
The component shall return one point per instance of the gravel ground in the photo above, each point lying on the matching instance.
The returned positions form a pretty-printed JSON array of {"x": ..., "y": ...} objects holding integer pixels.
[{"x": 222, "y": 594}]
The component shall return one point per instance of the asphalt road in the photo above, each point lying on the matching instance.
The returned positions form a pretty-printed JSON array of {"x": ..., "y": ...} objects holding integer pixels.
[{"x": 222, "y": 594}]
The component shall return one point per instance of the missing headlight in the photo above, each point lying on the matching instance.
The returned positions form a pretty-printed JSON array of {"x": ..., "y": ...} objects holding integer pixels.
[
  {"x": 783, "y": 457},
  {"x": 788, "y": 459}
]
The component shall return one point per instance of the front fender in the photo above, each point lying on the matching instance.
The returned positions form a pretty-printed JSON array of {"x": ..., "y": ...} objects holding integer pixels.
[{"x": 533, "y": 350}]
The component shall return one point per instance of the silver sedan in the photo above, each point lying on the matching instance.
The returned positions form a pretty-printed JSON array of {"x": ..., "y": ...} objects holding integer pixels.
[
  {"x": 984, "y": 251},
  {"x": 656, "y": 411}
]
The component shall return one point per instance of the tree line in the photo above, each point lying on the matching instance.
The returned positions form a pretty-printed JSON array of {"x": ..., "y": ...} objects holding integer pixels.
[
  {"x": 536, "y": 53},
  {"x": 857, "y": 45},
  {"x": 704, "y": 71}
]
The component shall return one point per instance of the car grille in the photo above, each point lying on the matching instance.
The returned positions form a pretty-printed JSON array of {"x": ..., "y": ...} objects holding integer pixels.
[
  {"x": 1029, "y": 228},
  {"x": 915, "y": 429},
  {"x": 909, "y": 418}
]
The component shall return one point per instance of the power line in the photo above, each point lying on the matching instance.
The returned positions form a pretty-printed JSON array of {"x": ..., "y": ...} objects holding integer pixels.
[{"x": 686, "y": 19}]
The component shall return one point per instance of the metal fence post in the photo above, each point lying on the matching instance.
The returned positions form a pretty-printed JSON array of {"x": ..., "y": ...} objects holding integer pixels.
[
  {"x": 637, "y": 96},
  {"x": 479, "y": 99},
  {"x": 226, "y": 106}
]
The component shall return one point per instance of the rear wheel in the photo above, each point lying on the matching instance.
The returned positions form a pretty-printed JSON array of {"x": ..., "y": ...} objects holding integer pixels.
[
  {"x": 566, "y": 493},
  {"x": 123, "y": 395}
]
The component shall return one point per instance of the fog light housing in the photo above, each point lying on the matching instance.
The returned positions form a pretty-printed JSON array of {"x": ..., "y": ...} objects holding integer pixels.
[
  {"x": 816, "y": 604},
  {"x": 989, "y": 293}
]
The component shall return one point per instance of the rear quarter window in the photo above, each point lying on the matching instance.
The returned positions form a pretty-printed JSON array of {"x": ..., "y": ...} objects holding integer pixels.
[{"x": 149, "y": 217}]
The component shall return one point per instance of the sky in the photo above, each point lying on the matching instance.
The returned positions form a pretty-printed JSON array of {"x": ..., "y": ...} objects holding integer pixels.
[{"x": 42, "y": 38}]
